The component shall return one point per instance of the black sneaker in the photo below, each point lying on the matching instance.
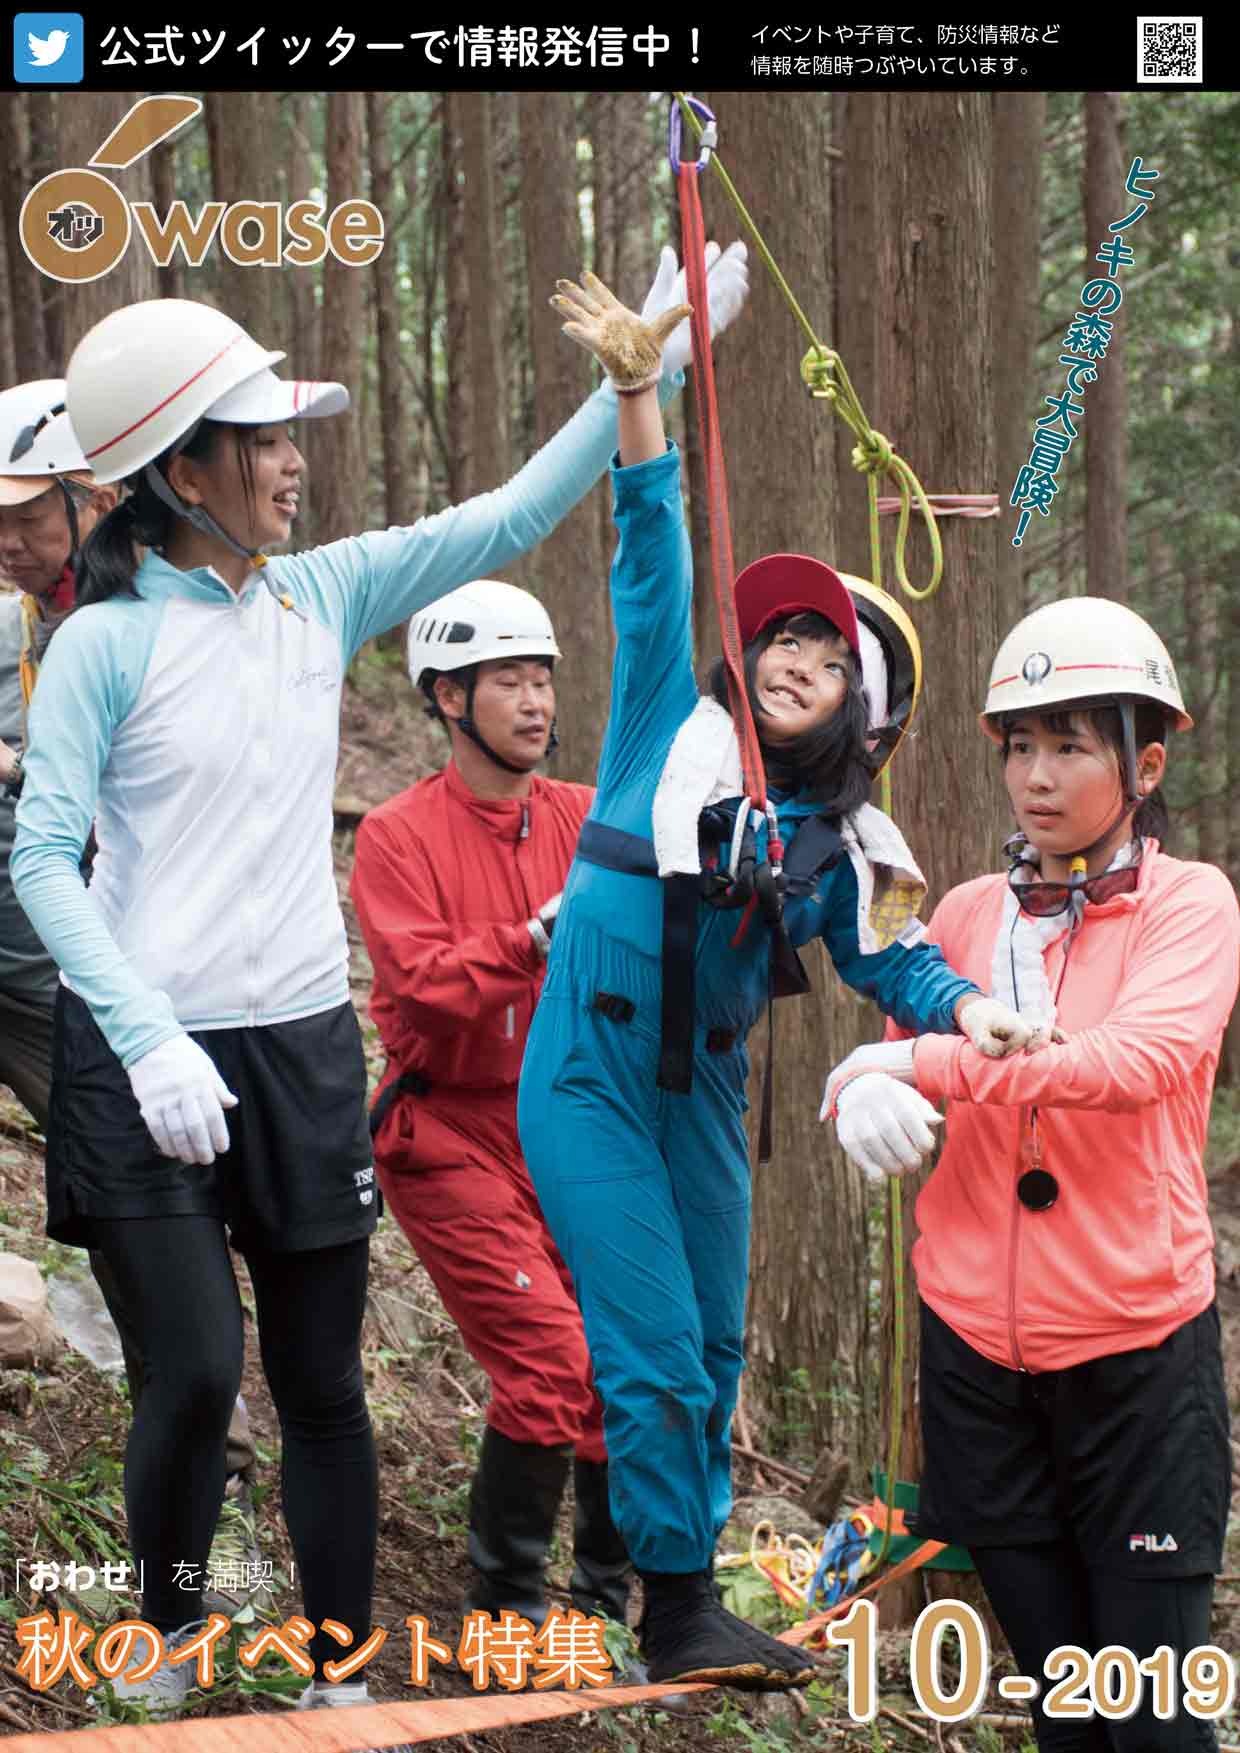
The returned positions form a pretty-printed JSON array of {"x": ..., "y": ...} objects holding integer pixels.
[{"x": 687, "y": 1635}]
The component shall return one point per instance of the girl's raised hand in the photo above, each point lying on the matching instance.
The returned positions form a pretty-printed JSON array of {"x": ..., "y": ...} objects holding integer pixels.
[{"x": 629, "y": 350}]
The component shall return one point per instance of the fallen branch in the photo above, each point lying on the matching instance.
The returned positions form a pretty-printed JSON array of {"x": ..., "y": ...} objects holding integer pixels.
[
  {"x": 87, "y": 1716},
  {"x": 904, "y": 1722},
  {"x": 789, "y": 1472},
  {"x": 14, "y": 1721}
]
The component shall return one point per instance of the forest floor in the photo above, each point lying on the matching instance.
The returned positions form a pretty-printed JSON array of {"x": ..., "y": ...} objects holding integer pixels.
[{"x": 62, "y": 1433}]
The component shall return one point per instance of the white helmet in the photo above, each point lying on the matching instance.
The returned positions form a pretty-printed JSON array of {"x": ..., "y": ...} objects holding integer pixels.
[
  {"x": 36, "y": 441},
  {"x": 1081, "y": 649},
  {"x": 481, "y": 620},
  {"x": 143, "y": 378}
]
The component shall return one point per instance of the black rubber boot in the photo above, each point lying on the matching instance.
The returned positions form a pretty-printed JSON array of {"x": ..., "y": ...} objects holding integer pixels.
[
  {"x": 687, "y": 1635},
  {"x": 513, "y": 1503},
  {"x": 601, "y": 1568}
]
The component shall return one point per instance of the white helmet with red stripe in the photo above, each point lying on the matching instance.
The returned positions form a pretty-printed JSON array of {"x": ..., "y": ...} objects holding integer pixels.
[
  {"x": 140, "y": 381},
  {"x": 1084, "y": 649}
]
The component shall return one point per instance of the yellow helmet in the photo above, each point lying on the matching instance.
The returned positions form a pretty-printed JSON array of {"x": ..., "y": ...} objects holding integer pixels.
[{"x": 890, "y": 666}]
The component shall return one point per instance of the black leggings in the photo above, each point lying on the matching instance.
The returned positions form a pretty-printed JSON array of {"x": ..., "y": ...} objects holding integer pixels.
[
  {"x": 177, "y": 1283},
  {"x": 1044, "y": 1596}
]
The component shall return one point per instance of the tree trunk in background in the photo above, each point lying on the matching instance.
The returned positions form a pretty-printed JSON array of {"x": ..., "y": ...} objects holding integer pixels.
[
  {"x": 568, "y": 571},
  {"x": 84, "y": 124},
  {"x": 807, "y": 1342},
  {"x": 856, "y": 220},
  {"x": 166, "y": 188},
  {"x": 458, "y": 414},
  {"x": 9, "y": 373},
  {"x": 300, "y": 315},
  {"x": 385, "y": 292},
  {"x": 238, "y": 139},
  {"x": 1018, "y": 119},
  {"x": 624, "y": 188},
  {"x": 488, "y": 364},
  {"x": 931, "y": 157},
  {"x": 47, "y": 154},
  {"x": 1106, "y": 400},
  {"x": 339, "y": 474},
  {"x": 21, "y": 289}
]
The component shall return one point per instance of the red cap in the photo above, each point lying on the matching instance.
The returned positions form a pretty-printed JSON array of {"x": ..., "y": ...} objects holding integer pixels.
[{"x": 793, "y": 584}]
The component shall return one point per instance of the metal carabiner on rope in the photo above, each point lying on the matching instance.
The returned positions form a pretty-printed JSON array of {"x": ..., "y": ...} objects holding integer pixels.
[{"x": 707, "y": 140}]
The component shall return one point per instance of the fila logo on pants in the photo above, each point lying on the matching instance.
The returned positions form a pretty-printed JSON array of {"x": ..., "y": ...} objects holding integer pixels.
[{"x": 1152, "y": 1543}]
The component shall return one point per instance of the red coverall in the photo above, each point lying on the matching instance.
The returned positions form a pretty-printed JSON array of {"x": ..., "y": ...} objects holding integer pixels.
[{"x": 444, "y": 883}]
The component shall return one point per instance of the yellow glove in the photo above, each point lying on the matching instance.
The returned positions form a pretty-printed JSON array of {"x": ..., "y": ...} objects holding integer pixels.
[{"x": 629, "y": 350}]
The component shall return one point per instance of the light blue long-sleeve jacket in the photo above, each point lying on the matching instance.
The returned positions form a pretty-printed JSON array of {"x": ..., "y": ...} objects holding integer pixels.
[{"x": 198, "y": 730}]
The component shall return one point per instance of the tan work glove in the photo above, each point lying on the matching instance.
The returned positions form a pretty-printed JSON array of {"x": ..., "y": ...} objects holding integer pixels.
[{"x": 629, "y": 350}]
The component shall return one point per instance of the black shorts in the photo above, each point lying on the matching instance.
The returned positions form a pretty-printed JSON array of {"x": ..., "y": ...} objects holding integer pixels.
[
  {"x": 1128, "y": 1456},
  {"x": 298, "y": 1172}
]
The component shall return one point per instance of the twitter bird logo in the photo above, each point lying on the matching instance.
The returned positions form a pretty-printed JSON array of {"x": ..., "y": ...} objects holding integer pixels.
[
  {"x": 46, "y": 51},
  {"x": 47, "y": 48}
]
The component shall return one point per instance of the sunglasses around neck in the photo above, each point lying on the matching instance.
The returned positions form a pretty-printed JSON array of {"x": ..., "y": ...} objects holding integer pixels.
[{"x": 1044, "y": 900}]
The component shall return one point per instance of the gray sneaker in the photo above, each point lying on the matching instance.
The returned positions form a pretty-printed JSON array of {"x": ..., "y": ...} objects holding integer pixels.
[
  {"x": 166, "y": 1692},
  {"x": 236, "y": 1576},
  {"x": 328, "y": 1697}
]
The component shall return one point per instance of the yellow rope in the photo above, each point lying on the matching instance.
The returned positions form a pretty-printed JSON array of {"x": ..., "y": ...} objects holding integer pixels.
[{"x": 822, "y": 370}]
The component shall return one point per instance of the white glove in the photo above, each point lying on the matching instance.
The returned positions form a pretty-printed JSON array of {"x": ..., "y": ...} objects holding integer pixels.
[
  {"x": 993, "y": 1028},
  {"x": 182, "y": 1097},
  {"x": 884, "y": 1126},
  {"x": 894, "y": 1058},
  {"x": 543, "y": 924},
  {"x": 727, "y": 287}
]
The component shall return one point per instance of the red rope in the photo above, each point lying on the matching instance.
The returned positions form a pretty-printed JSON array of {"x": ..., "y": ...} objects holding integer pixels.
[{"x": 723, "y": 568}]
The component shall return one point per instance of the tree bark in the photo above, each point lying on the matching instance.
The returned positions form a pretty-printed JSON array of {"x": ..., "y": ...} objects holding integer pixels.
[
  {"x": 238, "y": 141},
  {"x": 568, "y": 570},
  {"x": 488, "y": 365},
  {"x": 165, "y": 189},
  {"x": 339, "y": 477},
  {"x": 385, "y": 291},
  {"x": 930, "y": 156},
  {"x": 458, "y": 419},
  {"x": 25, "y": 300},
  {"x": 85, "y": 124},
  {"x": 1106, "y": 402}
]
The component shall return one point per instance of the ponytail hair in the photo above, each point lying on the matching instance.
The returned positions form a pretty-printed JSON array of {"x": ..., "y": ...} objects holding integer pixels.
[{"x": 108, "y": 563}]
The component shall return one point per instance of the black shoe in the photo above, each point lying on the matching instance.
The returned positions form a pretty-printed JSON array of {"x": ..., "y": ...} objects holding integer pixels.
[
  {"x": 602, "y": 1572},
  {"x": 513, "y": 1503},
  {"x": 686, "y": 1635}
]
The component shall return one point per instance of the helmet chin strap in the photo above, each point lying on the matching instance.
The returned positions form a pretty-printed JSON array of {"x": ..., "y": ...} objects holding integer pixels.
[
  {"x": 71, "y": 518},
  {"x": 198, "y": 515},
  {"x": 1133, "y": 796}
]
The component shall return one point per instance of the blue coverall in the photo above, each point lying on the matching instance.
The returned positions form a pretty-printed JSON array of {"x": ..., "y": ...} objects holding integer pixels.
[{"x": 647, "y": 1192}]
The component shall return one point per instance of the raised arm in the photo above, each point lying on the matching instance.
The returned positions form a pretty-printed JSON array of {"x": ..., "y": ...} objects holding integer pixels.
[{"x": 365, "y": 584}]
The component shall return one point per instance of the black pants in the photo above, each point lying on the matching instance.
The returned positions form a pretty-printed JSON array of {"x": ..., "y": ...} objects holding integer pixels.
[
  {"x": 1044, "y": 1596},
  {"x": 176, "y": 1279}
]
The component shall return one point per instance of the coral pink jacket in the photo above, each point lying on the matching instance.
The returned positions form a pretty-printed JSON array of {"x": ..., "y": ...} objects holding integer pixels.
[{"x": 1125, "y": 1255}]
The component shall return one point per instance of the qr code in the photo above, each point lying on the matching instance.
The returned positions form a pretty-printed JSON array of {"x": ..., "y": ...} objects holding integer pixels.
[{"x": 1169, "y": 51}]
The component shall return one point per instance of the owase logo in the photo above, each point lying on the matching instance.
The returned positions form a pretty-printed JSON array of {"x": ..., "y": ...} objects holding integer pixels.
[{"x": 76, "y": 224}]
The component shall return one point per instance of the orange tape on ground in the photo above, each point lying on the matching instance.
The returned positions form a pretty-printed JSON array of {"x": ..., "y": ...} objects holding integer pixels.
[{"x": 343, "y": 1731}]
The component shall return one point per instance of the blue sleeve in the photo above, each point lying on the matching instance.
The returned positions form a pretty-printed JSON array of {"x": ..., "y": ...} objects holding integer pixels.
[
  {"x": 653, "y": 689},
  {"x": 364, "y": 584},
  {"x": 87, "y": 685},
  {"x": 909, "y": 982}
]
